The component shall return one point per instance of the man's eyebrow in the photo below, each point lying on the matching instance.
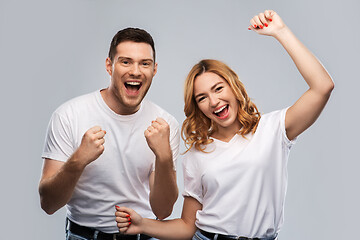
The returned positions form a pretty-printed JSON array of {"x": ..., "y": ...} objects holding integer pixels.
[{"x": 129, "y": 58}]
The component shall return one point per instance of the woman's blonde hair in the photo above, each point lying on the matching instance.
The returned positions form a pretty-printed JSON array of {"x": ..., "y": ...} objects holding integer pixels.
[{"x": 197, "y": 128}]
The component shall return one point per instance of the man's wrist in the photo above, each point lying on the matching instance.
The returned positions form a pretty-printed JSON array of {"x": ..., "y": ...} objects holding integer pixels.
[
  {"x": 76, "y": 162},
  {"x": 164, "y": 155}
]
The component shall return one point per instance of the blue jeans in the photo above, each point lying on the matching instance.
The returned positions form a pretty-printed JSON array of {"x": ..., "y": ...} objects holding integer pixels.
[
  {"x": 199, "y": 236},
  {"x": 72, "y": 236}
]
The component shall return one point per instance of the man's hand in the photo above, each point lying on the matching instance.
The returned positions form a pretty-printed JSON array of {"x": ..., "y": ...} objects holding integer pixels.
[
  {"x": 92, "y": 145},
  {"x": 157, "y": 136}
]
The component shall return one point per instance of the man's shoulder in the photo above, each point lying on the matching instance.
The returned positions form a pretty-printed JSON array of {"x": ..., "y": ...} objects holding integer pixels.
[
  {"x": 76, "y": 103},
  {"x": 153, "y": 108}
]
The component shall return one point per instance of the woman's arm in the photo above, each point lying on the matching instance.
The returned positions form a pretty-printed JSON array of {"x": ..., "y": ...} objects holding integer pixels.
[
  {"x": 304, "y": 112},
  {"x": 129, "y": 222}
]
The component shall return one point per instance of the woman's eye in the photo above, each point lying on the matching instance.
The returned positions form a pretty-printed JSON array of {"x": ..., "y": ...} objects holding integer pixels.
[
  {"x": 218, "y": 88},
  {"x": 201, "y": 99}
]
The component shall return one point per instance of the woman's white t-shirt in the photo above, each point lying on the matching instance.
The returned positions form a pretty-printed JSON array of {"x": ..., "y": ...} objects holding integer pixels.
[{"x": 242, "y": 183}]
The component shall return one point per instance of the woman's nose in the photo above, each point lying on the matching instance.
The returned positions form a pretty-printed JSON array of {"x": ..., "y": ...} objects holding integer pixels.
[{"x": 214, "y": 101}]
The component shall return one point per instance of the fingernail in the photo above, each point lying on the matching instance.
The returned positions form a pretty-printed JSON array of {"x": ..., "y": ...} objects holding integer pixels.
[
  {"x": 127, "y": 215},
  {"x": 255, "y": 26},
  {"x": 104, "y": 131},
  {"x": 249, "y": 28},
  {"x": 266, "y": 24},
  {"x": 116, "y": 206},
  {"x": 129, "y": 223},
  {"x": 261, "y": 26},
  {"x": 270, "y": 20}
]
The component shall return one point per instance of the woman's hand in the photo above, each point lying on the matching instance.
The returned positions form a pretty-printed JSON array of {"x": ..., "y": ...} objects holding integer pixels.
[
  {"x": 267, "y": 23},
  {"x": 128, "y": 221}
]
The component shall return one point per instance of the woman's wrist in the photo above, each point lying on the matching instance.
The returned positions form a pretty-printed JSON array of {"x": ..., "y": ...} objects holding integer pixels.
[{"x": 283, "y": 34}]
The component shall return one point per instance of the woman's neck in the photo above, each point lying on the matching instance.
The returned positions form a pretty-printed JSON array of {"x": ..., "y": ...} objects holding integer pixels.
[{"x": 227, "y": 133}]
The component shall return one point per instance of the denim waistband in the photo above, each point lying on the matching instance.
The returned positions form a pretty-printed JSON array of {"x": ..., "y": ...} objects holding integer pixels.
[{"x": 216, "y": 236}]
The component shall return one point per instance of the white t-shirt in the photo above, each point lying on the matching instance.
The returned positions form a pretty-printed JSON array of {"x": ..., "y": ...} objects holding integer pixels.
[
  {"x": 120, "y": 176},
  {"x": 241, "y": 183}
]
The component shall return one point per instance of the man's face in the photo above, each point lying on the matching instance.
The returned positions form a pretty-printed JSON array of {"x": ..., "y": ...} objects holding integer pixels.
[{"x": 131, "y": 74}]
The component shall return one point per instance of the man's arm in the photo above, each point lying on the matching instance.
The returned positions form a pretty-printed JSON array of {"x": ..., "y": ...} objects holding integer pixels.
[
  {"x": 59, "y": 179},
  {"x": 163, "y": 187}
]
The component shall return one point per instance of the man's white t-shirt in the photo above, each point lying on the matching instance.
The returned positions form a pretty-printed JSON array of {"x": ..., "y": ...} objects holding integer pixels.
[
  {"x": 120, "y": 176},
  {"x": 241, "y": 184}
]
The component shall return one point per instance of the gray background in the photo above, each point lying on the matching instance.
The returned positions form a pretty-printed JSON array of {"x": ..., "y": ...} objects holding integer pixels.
[{"x": 52, "y": 51}]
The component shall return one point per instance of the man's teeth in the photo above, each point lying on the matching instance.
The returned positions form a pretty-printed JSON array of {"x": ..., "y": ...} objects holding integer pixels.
[
  {"x": 220, "y": 109},
  {"x": 133, "y": 83}
]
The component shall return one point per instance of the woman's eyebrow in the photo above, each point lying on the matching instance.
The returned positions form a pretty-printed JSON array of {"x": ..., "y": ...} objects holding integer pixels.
[{"x": 212, "y": 88}]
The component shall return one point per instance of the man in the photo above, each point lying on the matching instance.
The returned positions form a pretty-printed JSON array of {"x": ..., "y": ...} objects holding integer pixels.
[{"x": 96, "y": 155}]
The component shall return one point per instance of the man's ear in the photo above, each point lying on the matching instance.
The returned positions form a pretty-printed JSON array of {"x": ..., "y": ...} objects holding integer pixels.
[
  {"x": 108, "y": 65},
  {"x": 155, "y": 68}
]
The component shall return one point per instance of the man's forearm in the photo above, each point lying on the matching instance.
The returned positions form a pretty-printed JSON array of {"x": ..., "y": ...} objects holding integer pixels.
[
  {"x": 164, "y": 193},
  {"x": 56, "y": 189}
]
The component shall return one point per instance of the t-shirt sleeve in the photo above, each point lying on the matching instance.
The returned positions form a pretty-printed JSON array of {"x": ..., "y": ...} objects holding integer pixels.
[
  {"x": 58, "y": 144},
  {"x": 286, "y": 141},
  {"x": 174, "y": 141},
  {"x": 192, "y": 179}
]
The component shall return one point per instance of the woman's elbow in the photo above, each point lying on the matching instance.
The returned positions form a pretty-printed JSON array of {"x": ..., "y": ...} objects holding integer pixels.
[
  {"x": 331, "y": 86},
  {"x": 326, "y": 87}
]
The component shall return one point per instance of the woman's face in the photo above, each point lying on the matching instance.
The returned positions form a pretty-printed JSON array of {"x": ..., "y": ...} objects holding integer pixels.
[{"x": 216, "y": 100}]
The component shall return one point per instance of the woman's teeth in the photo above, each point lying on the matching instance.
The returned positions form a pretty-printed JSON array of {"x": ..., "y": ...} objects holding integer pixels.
[{"x": 220, "y": 109}]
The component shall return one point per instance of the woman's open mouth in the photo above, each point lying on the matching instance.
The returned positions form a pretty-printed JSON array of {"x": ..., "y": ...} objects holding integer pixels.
[{"x": 222, "y": 112}]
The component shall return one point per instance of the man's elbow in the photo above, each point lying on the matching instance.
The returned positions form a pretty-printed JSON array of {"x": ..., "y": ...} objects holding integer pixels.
[
  {"x": 163, "y": 213},
  {"x": 47, "y": 208},
  {"x": 45, "y": 203},
  {"x": 165, "y": 210}
]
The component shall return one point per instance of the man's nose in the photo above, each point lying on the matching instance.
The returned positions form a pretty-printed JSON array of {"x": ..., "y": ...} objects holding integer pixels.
[{"x": 135, "y": 70}]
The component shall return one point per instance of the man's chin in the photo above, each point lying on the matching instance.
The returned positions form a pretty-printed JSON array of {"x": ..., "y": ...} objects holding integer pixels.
[{"x": 132, "y": 105}]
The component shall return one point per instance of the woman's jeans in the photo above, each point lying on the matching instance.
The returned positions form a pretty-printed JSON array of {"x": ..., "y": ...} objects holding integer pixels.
[{"x": 199, "y": 236}]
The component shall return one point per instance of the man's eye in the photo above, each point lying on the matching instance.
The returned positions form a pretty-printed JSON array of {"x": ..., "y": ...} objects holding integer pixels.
[
  {"x": 146, "y": 64},
  {"x": 125, "y": 62}
]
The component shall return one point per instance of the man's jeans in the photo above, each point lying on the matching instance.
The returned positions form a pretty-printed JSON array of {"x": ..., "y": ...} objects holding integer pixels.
[{"x": 72, "y": 236}]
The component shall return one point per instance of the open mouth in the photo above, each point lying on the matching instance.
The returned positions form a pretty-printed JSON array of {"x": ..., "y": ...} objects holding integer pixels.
[
  {"x": 222, "y": 112},
  {"x": 133, "y": 86}
]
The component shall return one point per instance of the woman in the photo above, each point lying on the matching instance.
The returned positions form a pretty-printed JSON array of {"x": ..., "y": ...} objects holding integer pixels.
[{"x": 235, "y": 167}]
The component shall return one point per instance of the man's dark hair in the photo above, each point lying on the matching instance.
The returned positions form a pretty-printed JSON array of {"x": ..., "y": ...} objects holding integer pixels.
[{"x": 130, "y": 34}]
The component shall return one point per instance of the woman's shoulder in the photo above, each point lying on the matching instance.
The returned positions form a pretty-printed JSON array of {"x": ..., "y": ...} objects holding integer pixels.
[{"x": 274, "y": 116}]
